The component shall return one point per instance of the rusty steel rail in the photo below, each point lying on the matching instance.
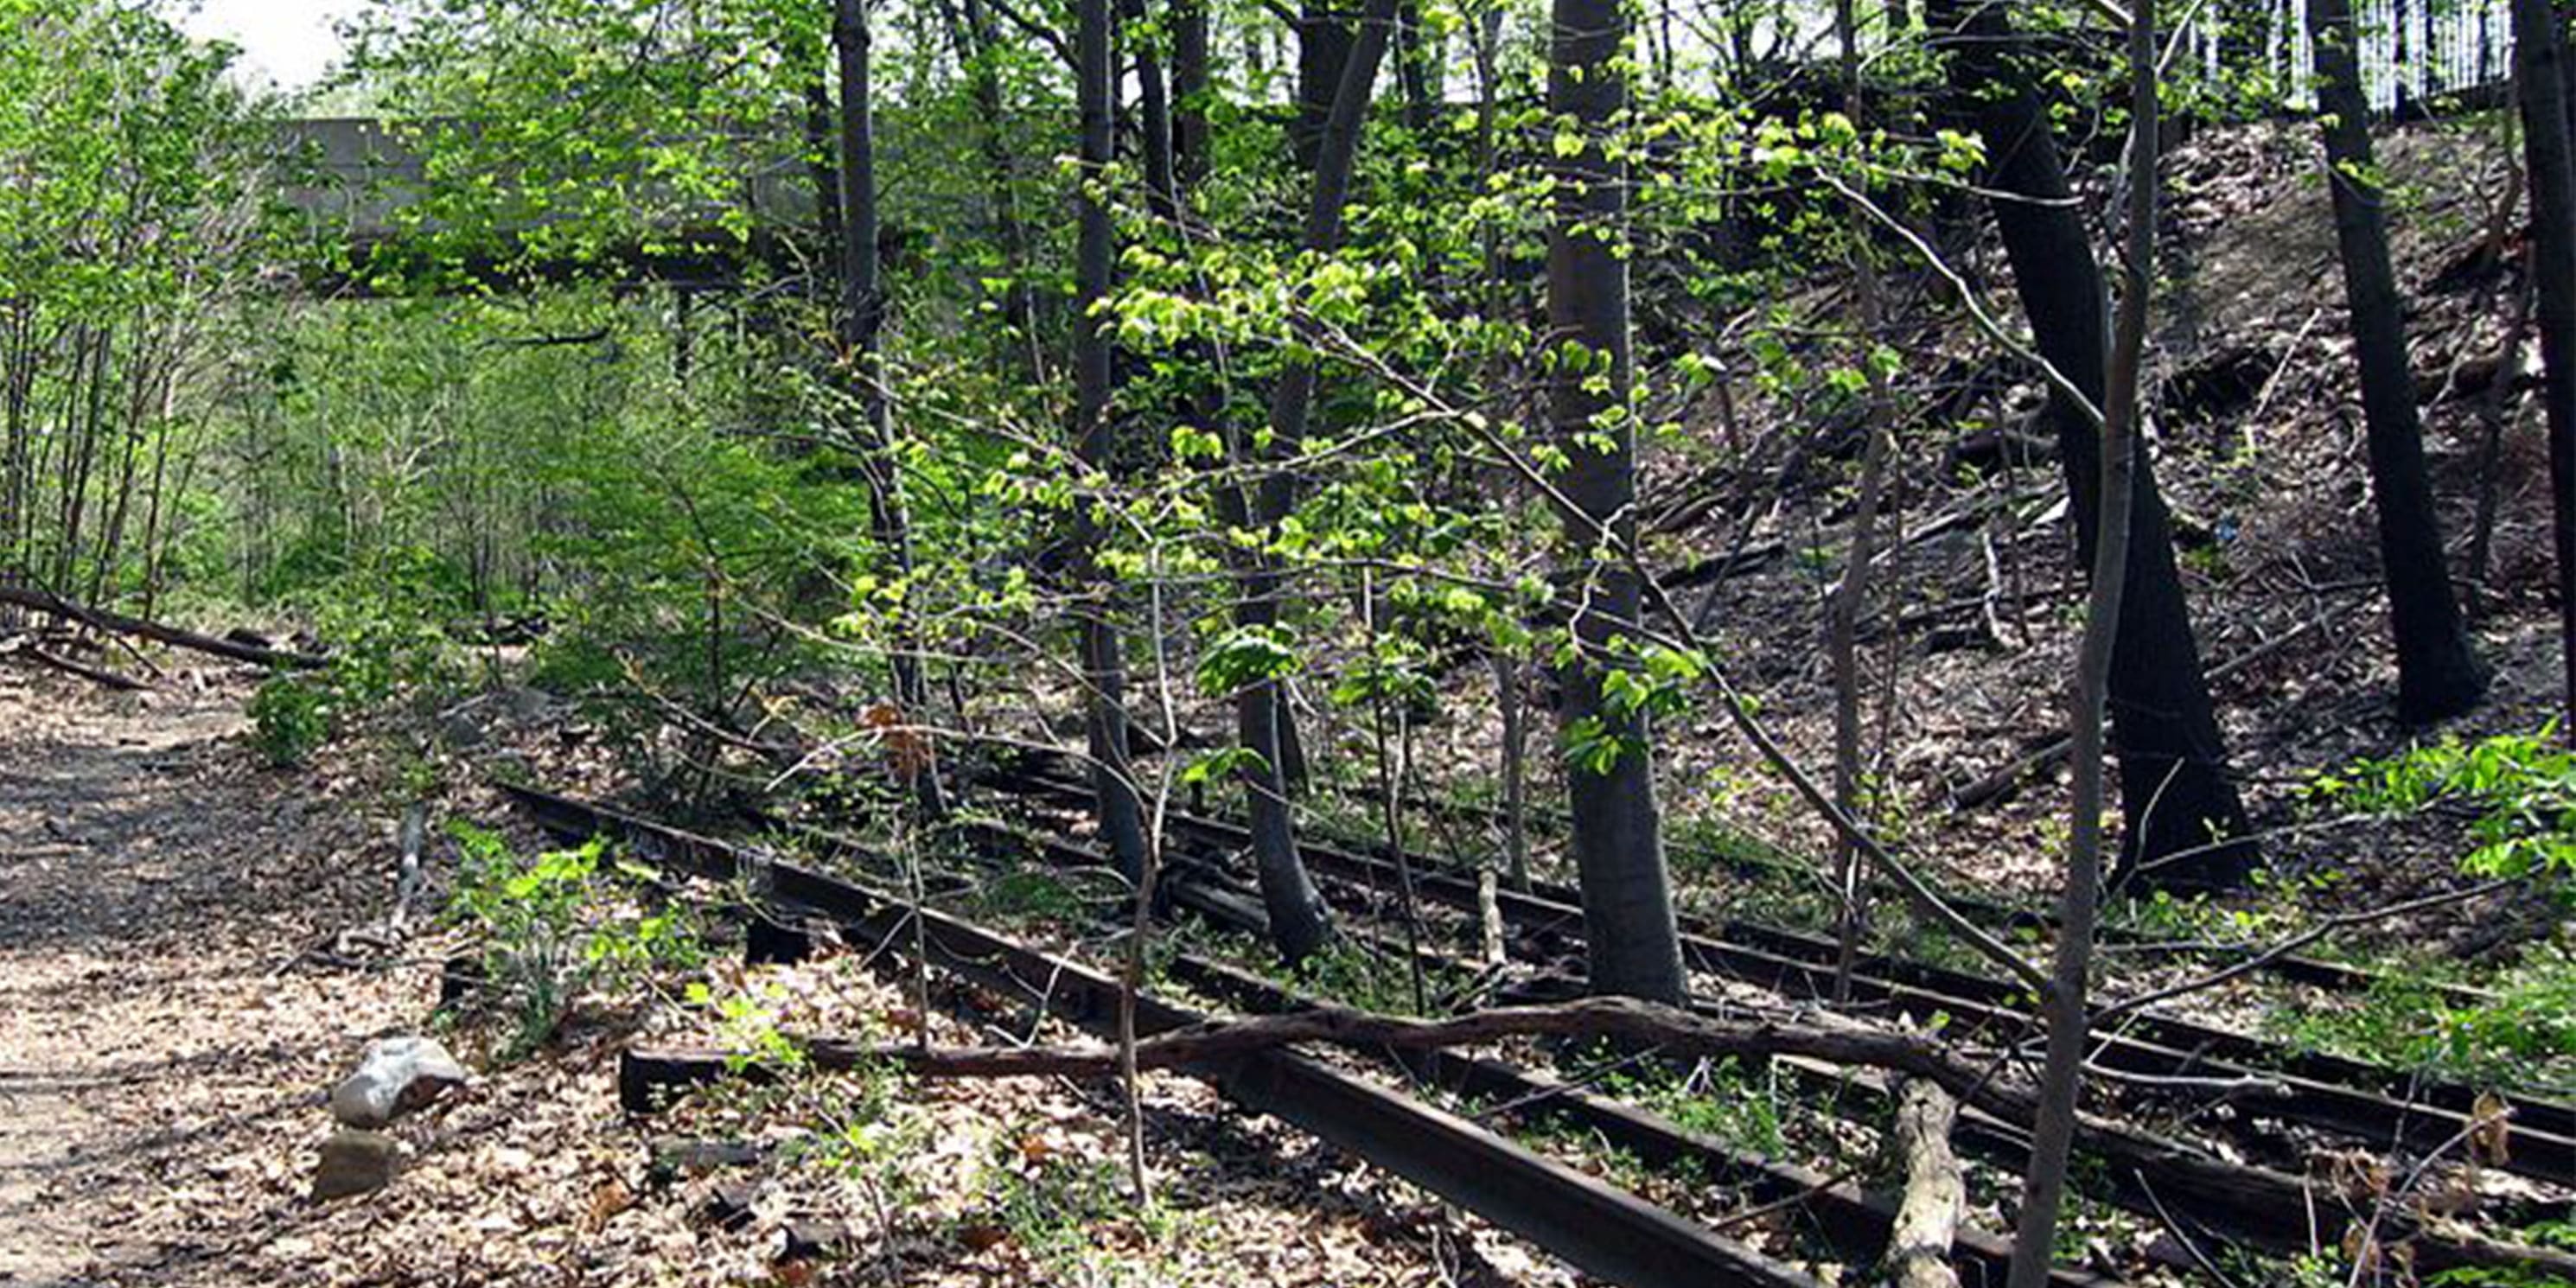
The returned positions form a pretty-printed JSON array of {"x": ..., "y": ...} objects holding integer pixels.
[
  {"x": 1855, "y": 1220},
  {"x": 2157, "y": 1178},
  {"x": 1994, "y": 914},
  {"x": 2540, "y": 1145},
  {"x": 1593, "y": 1226}
]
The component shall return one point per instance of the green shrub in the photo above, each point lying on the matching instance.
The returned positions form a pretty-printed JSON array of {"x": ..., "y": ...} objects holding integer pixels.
[
  {"x": 290, "y": 718},
  {"x": 2524, "y": 1037},
  {"x": 2522, "y": 785},
  {"x": 552, "y": 929}
]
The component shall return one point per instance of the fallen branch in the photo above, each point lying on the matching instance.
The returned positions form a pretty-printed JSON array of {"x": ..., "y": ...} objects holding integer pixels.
[
  {"x": 2002, "y": 781},
  {"x": 42, "y": 656},
  {"x": 1918, "y": 1245},
  {"x": 57, "y": 606},
  {"x": 1815, "y": 1036}
]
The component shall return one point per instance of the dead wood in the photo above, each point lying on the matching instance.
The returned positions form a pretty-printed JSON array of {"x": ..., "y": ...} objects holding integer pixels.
[
  {"x": 43, "y": 656},
  {"x": 1812, "y": 1035},
  {"x": 57, "y": 606},
  {"x": 1927, "y": 1220},
  {"x": 2002, "y": 782}
]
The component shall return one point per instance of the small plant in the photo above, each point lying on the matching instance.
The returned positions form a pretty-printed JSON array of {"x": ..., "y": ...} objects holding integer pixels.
[
  {"x": 1051, "y": 1202},
  {"x": 2524, "y": 1037},
  {"x": 747, "y": 1028},
  {"x": 2522, "y": 785},
  {"x": 2498, "y": 1277},
  {"x": 290, "y": 719},
  {"x": 1349, "y": 973},
  {"x": 1719, "y": 1099},
  {"x": 551, "y": 930}
]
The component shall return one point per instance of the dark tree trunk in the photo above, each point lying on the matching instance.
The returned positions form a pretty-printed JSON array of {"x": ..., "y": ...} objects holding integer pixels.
[
  {"x": 2054, "y": 1126},
  {"x": 1191, "y": 85},
  {"x": 2185, "y": 825},
  {"x": 1324, "y": 42},
  {"x": 1299, "y": 921},
  {"x": 862, "y": 335},
  {"x": 824, "y": 171},
  {"x": 1104, "y": 664},
  {"x": 1417, "y": 66},
  {"x": 972, "y": 35},
  {"x": 2540, "y": 56},
  {"x": 1154, "y": 110},
  {"x": 1617, "y": 835},
  {"x": 2438, "y": 676}
]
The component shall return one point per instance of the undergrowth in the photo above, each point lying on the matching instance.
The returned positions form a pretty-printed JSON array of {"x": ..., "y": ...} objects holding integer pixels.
[{"x": 554, "y": 927}]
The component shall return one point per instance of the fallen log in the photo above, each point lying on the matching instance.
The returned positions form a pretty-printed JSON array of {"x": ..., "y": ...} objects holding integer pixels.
[
  {"x": 1918, "y": 1245},
  {"x": 99, "y": 675},
  {"x": 56, "y": 606},
  {"x": 2003, "y": 781},
  {"x": 1816, "y": 1036}
]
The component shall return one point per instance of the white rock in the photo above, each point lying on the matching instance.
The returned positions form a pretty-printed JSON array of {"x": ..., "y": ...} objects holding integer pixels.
[{"x": 399, "y": 1075}]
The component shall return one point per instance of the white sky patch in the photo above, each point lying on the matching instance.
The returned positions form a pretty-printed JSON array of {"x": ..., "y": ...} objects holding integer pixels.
[{"x": 285, "y": 42}]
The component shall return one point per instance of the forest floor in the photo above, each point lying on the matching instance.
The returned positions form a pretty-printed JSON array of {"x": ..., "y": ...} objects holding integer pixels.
[
  {"x": 192, "y": 951},
  {"x": 153, "y": 889}
]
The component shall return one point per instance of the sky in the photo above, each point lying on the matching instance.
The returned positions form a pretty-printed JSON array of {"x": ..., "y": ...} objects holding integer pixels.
[{"x": 287, "y": 42}]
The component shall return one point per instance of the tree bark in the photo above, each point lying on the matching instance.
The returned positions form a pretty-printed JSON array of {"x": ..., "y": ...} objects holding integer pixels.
[
  {"x": 2438, "y": 675},
  {"x": 1324, "y": 46},
  {"x": 1417, "y": 66},
  {"x": 1154, "y": 120},
  {"x": 2064, "y": 1003},
  {"x": 1936, "y": 1195},
  {"x": 2175, "y": 790},
  {"x": 1104, "y": 664},
  {"x": 100, "y": 619},
  {"x": 1617, "y": 836},
  {"x": 2540, "y": 58},
  {"x": 1192, "y": 82},
  {"x": 1851, "y": 598},
  {"x": 1299, "y": 921},
  {"x": 972, "y": 34},
  {"x": 862, "y": 332}
]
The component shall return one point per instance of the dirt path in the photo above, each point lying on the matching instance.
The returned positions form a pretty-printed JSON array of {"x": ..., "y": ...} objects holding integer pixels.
[
  {"x": 159, "y": 1071},
  {"x": 166, "y": 1039}
]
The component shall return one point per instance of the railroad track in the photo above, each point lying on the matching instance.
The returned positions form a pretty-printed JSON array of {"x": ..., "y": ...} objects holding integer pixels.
[
  {"x": 1995, "y": 915},
  {"x": 2273, "y": 1210},
  {"x": 1594, "y": 1226},
  {"x": 2161, "y": 1180},
  {"x": 2325, "y": 1093}
]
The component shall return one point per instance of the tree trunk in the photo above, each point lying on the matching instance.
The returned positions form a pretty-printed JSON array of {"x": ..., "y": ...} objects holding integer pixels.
[
  {"x": 1324, "y": 45},
  {"x": 1104, "y": 664},
  {"x": 1299, "y": 921},
  {"x": 862, "y": 335},
  {"x": 1617, "y": 835},
  {"x": 1191, "y": 85},
  {"x": 2540, "y": 55},
  {"x": 1935, "y": 1195},
  {"x": 2175, "y": 791},
  {"x": 1417, "y": 66},
  {"x": 1510, "y": 694},
  {"x": 2438, "y": 676},
  {"x": 1154, "y": 120},
  {"x": 2064, "y": 1004},
  {"x": 1851, "y": 598},
  {"x": 972, "y": 34},
  {"x": 821, "y": 167}
]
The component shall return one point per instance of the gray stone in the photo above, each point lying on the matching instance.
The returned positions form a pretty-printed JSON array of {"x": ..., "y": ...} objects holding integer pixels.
[
  {"x": 462, "y": 731},
  {"x": 355, "y": 1162},
  {"x": 398, "y": 1076},
  {"x": 527, "y": 704},
  {"x": 677, "y": 1158}
]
